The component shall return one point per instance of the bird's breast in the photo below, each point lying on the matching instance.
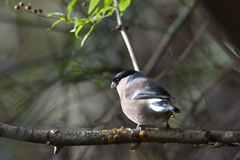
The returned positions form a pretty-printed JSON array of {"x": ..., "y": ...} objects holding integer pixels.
[{"x": 141, "y": 112}]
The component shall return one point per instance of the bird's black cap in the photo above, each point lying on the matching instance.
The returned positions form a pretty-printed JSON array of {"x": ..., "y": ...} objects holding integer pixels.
[
  {"x": 120, "y": 76},
  {"x": 124, "y": 74}
]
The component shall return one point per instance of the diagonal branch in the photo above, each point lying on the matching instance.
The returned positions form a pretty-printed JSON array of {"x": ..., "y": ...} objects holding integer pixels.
[
  {"x": 124, "y": 33},
  {"x": 166, "y": 39}
]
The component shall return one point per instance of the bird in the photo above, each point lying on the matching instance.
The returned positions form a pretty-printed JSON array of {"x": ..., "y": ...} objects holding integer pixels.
[{"x": 143, "y": 100}]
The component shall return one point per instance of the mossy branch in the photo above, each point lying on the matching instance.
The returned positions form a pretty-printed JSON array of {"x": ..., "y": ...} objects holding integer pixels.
[{"x": 121, "y": 136}]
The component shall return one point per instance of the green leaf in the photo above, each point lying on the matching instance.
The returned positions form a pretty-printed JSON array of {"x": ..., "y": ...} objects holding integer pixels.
[
  {"x": 86, "y": 35},
  {"x": 74, "y": 19},
  {"x": 61, "y": 16},
  {"x": 58, "y": 14},
  {"x": 107, "y": 3},
  {"x": 70, "y": 5},
  {"x": 73, "y": 30},
  {"x": 79, "y": 27},
  {"x": 92, "y": 5},
  {"x": 94, "y": 18},
  {"x": 55, "y": 23},
  {"x": 105, "y": 9},
  {"x": 123, "y": 4},
  {"x": 111, "y": 11},
  {"x": 97, "y": 9},
  {"x": 64, "y": 19}
]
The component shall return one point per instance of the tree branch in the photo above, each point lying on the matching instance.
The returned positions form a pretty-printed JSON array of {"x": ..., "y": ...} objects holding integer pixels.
[
  {"x": 121, "y": 136},
  {"x": 166, "y": 38},
  {"x": 123, "y": 31}
]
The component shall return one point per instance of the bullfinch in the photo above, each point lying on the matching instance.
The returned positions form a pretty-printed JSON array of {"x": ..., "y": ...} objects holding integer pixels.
[{"x": 143, "y": 100}]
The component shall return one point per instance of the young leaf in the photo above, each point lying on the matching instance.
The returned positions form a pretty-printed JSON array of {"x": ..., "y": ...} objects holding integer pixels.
[
  {"x": 55, "y": 24},
  {"x": 110, "y": 12},
  {"x": 70, "y": 5},
  {"x": 123, "y": 4},
  {"x": 79, "y": 27},
  {"x": 107, "y": 3},
  {"x": 61, "y": 18},
  {"x": 86, "y": 35},
  {"x": 64, "y": 19},
  {"x": 73, "y": 30},
  {"x": 97, "y": 9},
  {"x": 92, "y": 5},
  {"x": 74, "y": 19},
  {"x": 105, "y": 9},
  {"x": 58, "y": 14}
]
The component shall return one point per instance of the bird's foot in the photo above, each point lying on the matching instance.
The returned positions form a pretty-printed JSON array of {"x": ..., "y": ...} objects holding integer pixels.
[
  {"x": 139, "y": 127},
  {"x": 167, "y": 126}
]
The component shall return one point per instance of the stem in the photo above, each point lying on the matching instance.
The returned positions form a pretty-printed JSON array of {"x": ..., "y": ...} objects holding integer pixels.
[
  {"x": 125, "y": 37},
  {"x": 166, "y": 39}
]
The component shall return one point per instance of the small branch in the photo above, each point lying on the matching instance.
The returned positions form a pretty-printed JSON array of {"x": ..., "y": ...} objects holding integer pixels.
[
  {"x": 121, "y": 136},
  {"x": 209, "y": 87},
  {"x": 123, "y": 31},
  {"x": 185, "y": 52},
  {"x": 166, "y": 39}
]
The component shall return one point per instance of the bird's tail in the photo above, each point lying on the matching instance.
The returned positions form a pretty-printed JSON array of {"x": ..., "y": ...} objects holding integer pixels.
[{"x": 163, "y": 106}]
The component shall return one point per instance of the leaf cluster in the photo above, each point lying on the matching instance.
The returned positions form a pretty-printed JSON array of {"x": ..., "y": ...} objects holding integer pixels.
[{"x": 97, "y": 11}]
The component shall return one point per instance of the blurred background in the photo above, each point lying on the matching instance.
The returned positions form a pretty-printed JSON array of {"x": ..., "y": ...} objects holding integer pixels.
[{"x": 49, "y": 82}]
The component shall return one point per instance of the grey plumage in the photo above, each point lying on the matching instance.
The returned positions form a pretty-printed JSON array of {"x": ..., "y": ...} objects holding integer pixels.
[{"x": 143, "y": 100}]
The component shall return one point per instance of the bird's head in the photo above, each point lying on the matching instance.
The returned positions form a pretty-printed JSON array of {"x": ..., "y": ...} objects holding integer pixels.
[{"x": 120, "y": 76}]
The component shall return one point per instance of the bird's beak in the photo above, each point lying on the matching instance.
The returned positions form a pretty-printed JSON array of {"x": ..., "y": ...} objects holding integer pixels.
[{"x": 113, "y": 85}]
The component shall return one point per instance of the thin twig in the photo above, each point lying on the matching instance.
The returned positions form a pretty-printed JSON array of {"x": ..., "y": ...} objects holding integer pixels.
[
  {"x": 208, "y": 89},
  {"x": 183, "y": 55},
  {"x": 166, "y": 39},
  {"x": 185, "y": 52},
  {"x": 213, "y": 31},
  {"x": 125, "y": 37}
]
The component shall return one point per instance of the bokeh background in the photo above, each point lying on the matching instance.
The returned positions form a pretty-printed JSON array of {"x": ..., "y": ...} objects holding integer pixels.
[{"x": 47, "y": 81}]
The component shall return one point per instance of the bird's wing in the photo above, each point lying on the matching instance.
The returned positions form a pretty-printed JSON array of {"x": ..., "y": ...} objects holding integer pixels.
[{"x": 152, "y": 92}]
